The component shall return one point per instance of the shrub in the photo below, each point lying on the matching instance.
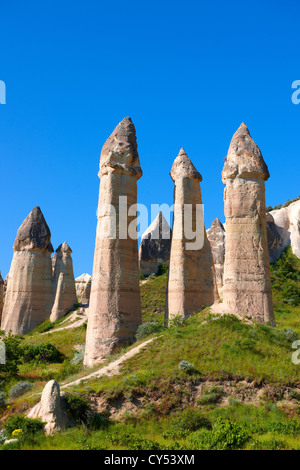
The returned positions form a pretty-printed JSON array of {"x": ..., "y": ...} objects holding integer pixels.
[
  {"x": 29, "y": 426},
  {"x": 13, "y": 355},
  {"x": 190, "y": 420},
  {"x": 224, "y": 435},
  {"x": 20, "y": 389},
  {"x": 78, "y": 356},
  {"x": 162, "y": 269},
  {"x": 2, "y": 399},
  {"x": 133, "y": 442},
  {"x": 77, "y": 406},
  {"x": 213, "y": 395},
  {"x": 44, "y": 352},
  {"x": 294, "y": 394},
  {"x": 290, "y": 334},
  {"x": 147, "y": 329},
  {"x": 186, "y": 367}
]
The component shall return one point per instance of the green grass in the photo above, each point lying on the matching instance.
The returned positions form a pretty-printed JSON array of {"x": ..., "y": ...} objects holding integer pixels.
[{"x": 225, "y": 353}]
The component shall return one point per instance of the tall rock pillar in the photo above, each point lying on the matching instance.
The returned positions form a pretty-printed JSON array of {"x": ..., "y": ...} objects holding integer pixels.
[
  {"x": 63, "y": 283},
  {"x": 28, "y": 299},
  {"x": 1, "y": 296},
  {"x": 247, "y": 284},
  {"x": 115, "y": 307},
  {"x": 191, "y": 283}
]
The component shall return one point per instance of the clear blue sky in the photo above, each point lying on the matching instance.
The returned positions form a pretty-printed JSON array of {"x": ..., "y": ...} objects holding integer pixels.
[{"x": 188, "y": 73}]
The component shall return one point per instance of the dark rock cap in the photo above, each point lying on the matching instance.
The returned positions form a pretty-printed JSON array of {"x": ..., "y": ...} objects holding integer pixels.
[
  {"x": 244, "y": 158},
  {"x": 216, "y": 223},
  {"x": 34, "y": 233},
  {"x": 1, "y": 279},
  {"x": 64, "y": 248},
  {"x": 119, "y": 153},
  {"x": 183, "y": 168}
]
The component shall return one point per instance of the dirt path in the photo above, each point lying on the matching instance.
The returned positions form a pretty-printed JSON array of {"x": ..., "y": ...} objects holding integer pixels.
[
  {"x": 113, "y": 367},
  {"x": 70, "y": 325}
]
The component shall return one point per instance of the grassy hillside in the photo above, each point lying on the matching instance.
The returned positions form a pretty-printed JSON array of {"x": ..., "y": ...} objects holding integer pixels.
[{"x": 208, "y": 382}]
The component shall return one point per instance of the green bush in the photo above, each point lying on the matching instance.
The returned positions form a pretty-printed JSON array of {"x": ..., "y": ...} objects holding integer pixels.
[
  {"x": 77, "y": 407},
  {"x": 44, "y": 352},
  {"x": 20, "y": 389},
  {"x": 29, "y": 426},
  {"x": 162, "y": 269},
  {"x": 213, "y": 395},
  {"x": 190, "y": 420},
  {"x": 133, "y": 442},
  {"x": 225, "y": 435},
  {"x": 186, "y": 367},
  {"x": 2, "y": 399},
  {"x": 147, "y": 329},
  {"x": 13, "y": 355}
]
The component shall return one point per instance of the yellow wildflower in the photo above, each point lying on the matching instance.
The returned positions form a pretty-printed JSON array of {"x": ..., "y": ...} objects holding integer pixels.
[{"x": 16, "y": 432}]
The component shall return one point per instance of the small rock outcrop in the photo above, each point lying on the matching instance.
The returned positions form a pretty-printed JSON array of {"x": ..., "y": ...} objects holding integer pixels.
[
  {"x": 115, "y": 306},
  {"x": 28, "y": 298},
  {"x": 80, "y": 284},
  {"x": 191, "y": 283},
  {"x": 85, "y": 298},
  {"x": 216, "y": 237},
  {"x": 51, "y": 409},
  {"x": 63, "y": 283},
  {"x": 247, "y": 283},
  {"x": 155, "y": 246},
  {"x": 1, "y": 296},
  {"x": 287, "y": 223}
]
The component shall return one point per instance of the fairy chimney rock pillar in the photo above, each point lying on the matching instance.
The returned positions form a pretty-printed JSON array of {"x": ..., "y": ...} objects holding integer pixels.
[
  {"x": 28, "y": 299},
  {"x": 191, "y": 283},
  {"x": 247, "y": 284},
  {"x": 115, "y": 307}
]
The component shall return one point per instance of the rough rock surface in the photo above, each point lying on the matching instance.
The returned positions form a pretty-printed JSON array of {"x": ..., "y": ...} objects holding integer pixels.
[
  {"x": 247, "y": 284},
  {"x": 1, "y": 296},
  {"x": 28, "y": 299},
  {"x": 85, "y": 299},
  {"x": 51, "y": 409},
  {"x": 287, "y": 222},
  {"x": 216, "y": 237},
  {"x": 155, "y": 246},
  {"x": 191, "y": 283},
  {"x": 80, "y": 283},
  {"x": 115, "y": 306},
  {"x": 63, "y": 283}
]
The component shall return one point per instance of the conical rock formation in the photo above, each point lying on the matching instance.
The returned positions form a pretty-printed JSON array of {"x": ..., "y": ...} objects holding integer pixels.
[
  {"x": 63, "y": 283},
  {"x": 51, "y": 409},
  {"x": 28, "y": 299},
  {"x": 191, "y": 283},
  {"x": 247, "y": 284},
  {"x": 115, "y": 307},
  {"x": 216, "y": 237},
  {"x": 155, "y": 246}
]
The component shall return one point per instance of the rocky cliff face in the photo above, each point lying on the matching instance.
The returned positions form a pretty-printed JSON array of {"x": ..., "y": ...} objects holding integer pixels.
[
  {"x": 216, "y": 237},
  {"x": 155, "y": 246}
]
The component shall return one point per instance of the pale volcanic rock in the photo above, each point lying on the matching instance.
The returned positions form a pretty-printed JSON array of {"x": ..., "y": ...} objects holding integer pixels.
[
  {"x": 155, "y": 246},
  {"x": 1, "y": 296},
  {"x": 115, "y": 306},
  {"x": 247, "y": 285},
  {"x": 216, "y": 237},
  {"x": 50, "y": 409},
  {"x": 81, "y": 282},
  {"x": 28, "y": 299},
  {"x": 63, "y": 283},
  {"x": 53, "y": 261},
  {"x": 85, "y": 299},
  {"x": 287, "y": 221},
  {"x": 191, "y": 283}
]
